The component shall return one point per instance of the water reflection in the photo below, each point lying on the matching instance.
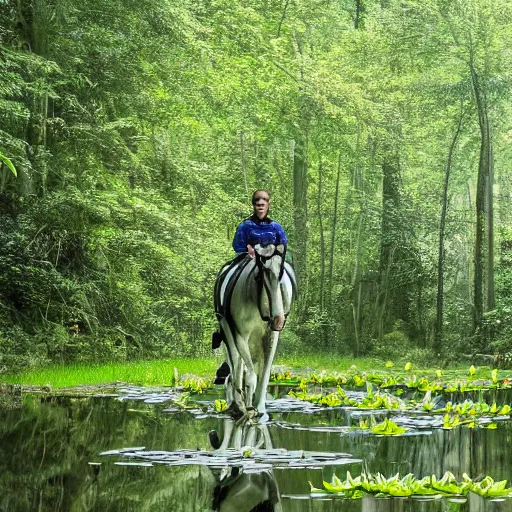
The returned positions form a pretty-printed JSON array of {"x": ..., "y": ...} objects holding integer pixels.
[
  {"x": 240, "y": 488},
  {"x": 477, "y": 451},
  {"x": 50, "y": 459}
]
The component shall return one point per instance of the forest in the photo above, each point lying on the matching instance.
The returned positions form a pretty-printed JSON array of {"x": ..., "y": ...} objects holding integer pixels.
[{"x": 132, "y": 134}]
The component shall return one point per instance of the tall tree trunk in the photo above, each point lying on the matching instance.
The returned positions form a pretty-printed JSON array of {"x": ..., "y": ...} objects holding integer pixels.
[
  {"x": 322, "y": 238},
  {"x": 438, "y": 329},
  {"x": 389, "y": 241},
  {"x": 484, "y": 207},
  {"x": 33, "y": 19},
  {"x": 300, "y": 211},
  {"x": 491, "y": 301},
  {"x": 243, "y": 160},
  {"x": 357, "y": 185},
  {"x": 359, "y": 14},
  {"x": 300, "y": 184},
  {"x": 333, "y": 234}
]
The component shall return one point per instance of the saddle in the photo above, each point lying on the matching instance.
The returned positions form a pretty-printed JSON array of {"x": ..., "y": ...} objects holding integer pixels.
[{"x": 231, "y": 271}]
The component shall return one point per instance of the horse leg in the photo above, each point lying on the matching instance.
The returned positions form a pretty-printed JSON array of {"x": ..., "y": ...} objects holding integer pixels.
[
  {"x": 234, "y": 380},
  {"x": 250, "y": 378},
  {"x": 228, "y": 431},
  {"x": 264, "y": 377}
]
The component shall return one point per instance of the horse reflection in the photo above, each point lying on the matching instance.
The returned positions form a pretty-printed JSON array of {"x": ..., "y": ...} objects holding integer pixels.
[{"x": 240, "y": 489}]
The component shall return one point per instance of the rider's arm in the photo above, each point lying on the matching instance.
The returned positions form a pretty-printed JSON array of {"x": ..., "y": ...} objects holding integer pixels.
[
  {"x": 240, "y": 242},
  {"x": 280, "y": 234}
]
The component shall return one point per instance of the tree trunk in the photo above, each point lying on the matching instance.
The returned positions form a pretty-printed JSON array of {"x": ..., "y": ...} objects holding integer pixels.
[
  {"x": 357, "y": 185},
  {"x": 491, "y": 302},
  {"x": 243, "y": 160},
  {"x": 322, "y": 238},
  {"x": 33, "y": 18},
  {"x": 300, "y": 185},
  {"x": 438, "y": 329},
  {"x": 389, "y": 239},
  {"x": 333, "y": 233},
  {"x": 359, "y": 14},
  {"x": 300, "y": 211},
  {"x": 484, "y": 236}
]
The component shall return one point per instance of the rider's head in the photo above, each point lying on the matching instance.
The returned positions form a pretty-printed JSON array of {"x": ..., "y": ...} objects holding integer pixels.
[{"x": 261, "y": 203}]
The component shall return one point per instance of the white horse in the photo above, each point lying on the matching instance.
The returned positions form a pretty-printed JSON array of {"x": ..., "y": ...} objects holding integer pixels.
[{"x": 255, "y": 297}]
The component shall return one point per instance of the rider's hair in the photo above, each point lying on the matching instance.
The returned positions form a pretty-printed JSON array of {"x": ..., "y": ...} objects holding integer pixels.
[{"x": 256, "y": 192}]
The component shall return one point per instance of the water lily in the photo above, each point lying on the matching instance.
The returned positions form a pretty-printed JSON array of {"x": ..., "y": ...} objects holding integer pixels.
[
  {"x": 220, "y": 405},
  {"x": 379, "y": 485},
  {"x": 388, "y": 428},
  {"x": 247, "y": 451},
  {"x": 504, "y": 410}
]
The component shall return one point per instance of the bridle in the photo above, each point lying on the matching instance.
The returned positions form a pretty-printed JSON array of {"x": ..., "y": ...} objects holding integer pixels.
[{"x": 260, "y": 261}]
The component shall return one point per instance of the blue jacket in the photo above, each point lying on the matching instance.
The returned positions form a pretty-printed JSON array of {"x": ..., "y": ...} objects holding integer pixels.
[{"x": 255, "y": 231}]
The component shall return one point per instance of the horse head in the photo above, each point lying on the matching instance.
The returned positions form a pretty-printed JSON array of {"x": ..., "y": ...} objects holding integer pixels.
[{"x": 270, "y": 264}]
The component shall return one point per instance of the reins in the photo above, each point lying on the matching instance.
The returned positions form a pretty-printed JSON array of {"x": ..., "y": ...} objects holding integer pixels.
[{"x": 261, "y": 281}]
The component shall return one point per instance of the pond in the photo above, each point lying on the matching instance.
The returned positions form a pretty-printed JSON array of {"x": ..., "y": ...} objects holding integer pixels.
[{"x": 136, "y": 450}]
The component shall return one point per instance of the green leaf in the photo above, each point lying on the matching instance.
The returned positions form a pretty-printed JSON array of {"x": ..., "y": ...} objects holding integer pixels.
[
  {"x": 8, "y": 163},
  {"x": 504, "y": 410}
]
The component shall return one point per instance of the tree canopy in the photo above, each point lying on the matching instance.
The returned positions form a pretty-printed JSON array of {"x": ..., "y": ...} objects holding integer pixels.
[{"x": 132, "y": 135}]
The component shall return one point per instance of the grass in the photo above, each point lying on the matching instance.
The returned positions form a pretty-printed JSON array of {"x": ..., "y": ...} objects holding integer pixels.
[{"x": 161, "y": 372}]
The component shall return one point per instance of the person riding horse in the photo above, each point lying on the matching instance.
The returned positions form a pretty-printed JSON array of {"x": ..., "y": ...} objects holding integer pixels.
[
  {"x": 252, "y": 297},
  {"x": 256, "y": 229}
]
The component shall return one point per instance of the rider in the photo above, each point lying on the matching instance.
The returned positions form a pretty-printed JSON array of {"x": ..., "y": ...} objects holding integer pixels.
[{"x": 256, "y": 229}]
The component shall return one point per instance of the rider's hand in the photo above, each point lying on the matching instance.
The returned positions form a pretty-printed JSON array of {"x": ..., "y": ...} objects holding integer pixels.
[{"x": 250, "y": 250}]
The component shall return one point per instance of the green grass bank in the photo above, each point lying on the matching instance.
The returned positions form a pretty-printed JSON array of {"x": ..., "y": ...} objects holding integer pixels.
[{"x": 161, "y": 372}]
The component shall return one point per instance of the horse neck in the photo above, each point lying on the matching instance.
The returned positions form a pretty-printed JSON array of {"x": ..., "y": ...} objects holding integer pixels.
[{"x": 246, "y": 289}]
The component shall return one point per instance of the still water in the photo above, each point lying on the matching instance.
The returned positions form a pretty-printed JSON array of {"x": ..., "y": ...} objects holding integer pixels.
[{"x": 137, "y": 452}]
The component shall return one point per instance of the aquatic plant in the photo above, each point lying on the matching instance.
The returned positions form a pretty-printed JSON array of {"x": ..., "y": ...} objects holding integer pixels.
[
  {"x": 488, "y": 488},
  {"x": 409, "y": 485},
  {"x": 356, "y": 378},
  {"x": 195, "y": 384},
  {"x": 467, "y": 413},
  {"x": 183, "y": 401},
  {"x": 338, "y": 398},
  {"x": 220, "y": 405},
  {"x": 388, "y": 428}
]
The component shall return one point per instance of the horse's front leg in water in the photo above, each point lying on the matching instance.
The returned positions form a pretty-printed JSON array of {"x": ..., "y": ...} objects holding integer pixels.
[
  {"x": 269, "y": 349},
  {"x": 233, "y": 382},
  {"x": 250, "y": 379}
]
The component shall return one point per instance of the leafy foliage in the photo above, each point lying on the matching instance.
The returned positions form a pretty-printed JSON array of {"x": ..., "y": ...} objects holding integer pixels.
[
  {"x": 408, "y": 485},
  {"x": 137, "y": 132}
]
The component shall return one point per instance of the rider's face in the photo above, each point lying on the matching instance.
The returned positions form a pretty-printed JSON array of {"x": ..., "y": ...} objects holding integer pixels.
[{"x": 261, "y": 204}]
